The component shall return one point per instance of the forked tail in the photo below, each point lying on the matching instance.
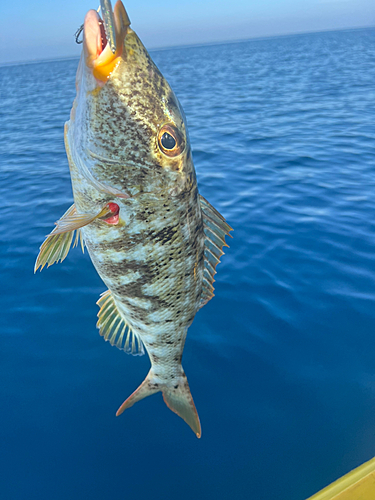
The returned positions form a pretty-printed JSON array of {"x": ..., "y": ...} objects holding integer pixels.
[{"x": 176, "y": 395}]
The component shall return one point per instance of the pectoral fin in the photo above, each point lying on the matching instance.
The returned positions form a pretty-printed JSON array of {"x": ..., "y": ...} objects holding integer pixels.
[
  {"x": 57, "y": 244},
  {"x": 73, "y": 221},
  {"x": 215, "y": 229}
]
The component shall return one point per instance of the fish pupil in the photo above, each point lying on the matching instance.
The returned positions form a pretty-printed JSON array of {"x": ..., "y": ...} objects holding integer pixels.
[{"x": 167, "y": 141}]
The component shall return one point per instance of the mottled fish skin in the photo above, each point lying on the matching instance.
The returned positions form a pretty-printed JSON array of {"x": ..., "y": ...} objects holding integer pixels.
[{"x": 152, "y": 261}]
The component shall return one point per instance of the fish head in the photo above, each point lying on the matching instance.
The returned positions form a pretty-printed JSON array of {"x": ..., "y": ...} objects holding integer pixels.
[{"x": 127, "y": 128}]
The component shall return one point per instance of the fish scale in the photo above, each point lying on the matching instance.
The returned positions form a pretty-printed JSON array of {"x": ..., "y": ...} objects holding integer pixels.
[
  {"x": 153, "y": 239},
  {"x": 168, "y": 272}
]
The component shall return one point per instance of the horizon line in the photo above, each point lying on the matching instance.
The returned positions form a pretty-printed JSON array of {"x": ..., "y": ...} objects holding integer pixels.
[{"x": 204, "y": 44}]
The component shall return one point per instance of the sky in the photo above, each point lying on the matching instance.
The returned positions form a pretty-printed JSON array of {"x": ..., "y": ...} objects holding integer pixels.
[{"x": 44, "y": 29}]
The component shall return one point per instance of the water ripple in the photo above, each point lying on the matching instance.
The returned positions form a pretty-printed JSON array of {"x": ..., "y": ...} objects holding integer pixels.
[{"x": 282, "y": 132}]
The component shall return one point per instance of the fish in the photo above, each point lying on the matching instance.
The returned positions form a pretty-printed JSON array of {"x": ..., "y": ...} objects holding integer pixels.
[{"x": 153, "y": 239}]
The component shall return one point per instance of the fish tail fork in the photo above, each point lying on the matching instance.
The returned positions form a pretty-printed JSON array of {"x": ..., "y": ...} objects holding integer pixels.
[{"x": 176, "y": 395}]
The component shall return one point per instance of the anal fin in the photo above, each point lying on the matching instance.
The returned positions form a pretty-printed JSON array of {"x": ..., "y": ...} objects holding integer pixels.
[
  {"x": 114, "y": 328},
  {"x": 215, "y": 228}
]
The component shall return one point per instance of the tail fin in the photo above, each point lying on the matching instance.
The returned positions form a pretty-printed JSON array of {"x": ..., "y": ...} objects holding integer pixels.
[
  {"x": 147, "y": 388},
  {"x": 177, "y": 397}
]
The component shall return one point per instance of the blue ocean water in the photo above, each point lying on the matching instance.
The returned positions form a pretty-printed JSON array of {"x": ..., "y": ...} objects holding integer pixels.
[{"x": 281, "y": 363}]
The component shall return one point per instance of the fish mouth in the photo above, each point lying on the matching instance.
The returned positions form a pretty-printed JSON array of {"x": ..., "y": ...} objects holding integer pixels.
[{"x": 99, "y": 54}]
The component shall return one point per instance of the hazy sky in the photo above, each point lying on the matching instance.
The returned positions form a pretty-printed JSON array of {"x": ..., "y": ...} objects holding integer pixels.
[{"x": 44, "y": 29}]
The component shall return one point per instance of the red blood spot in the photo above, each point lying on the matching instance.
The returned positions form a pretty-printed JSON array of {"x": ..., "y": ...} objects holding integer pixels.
[{"x": 115, "y": 209}]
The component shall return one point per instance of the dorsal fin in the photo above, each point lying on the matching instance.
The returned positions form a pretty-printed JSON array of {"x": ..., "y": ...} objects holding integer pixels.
[
  {"x": 113, "y": 327},
  {"x": 215, "y": 228},
  {"x": 56, "y": 246}
]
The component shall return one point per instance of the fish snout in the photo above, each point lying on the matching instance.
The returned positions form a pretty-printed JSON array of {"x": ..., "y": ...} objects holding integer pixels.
[{"x": 103, "y": 41}]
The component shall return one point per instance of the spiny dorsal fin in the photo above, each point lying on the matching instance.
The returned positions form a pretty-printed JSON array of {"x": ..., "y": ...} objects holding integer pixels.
[
  {"x": 215, "y": 229},
  {"x": 113, "y": 327},
  {"x": 57, "y": 245}
]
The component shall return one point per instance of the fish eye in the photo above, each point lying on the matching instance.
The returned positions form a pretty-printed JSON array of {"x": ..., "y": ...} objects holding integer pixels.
[
  {"x": 170, "y": 141},
  {"x": 167, "y": 141}
]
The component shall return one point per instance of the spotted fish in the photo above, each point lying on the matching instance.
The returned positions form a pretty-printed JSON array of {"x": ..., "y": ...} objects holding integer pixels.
[{"x": 153, "y": 239}]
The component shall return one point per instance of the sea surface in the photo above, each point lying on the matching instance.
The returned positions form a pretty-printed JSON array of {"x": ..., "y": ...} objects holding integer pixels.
[{"x": 281, "y": 363}]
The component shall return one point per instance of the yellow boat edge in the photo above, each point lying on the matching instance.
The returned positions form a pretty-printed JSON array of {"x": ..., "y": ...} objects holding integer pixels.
[{"x": 359, "y": 484}]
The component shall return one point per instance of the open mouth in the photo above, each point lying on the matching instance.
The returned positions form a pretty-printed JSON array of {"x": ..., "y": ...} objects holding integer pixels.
[
  {"x": 102, "y": 53},
  {"x": 103, "y": 38}
]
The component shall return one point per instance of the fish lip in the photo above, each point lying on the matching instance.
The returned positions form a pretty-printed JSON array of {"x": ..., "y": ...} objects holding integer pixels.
[{"x": 99, "y": 56}]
